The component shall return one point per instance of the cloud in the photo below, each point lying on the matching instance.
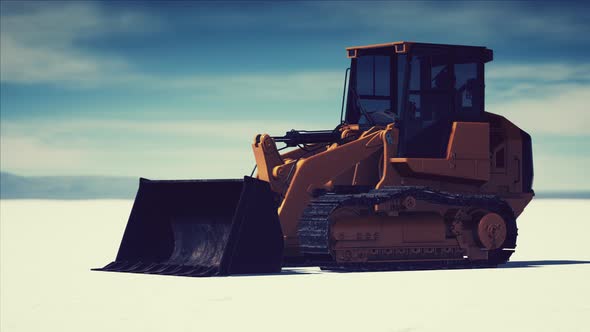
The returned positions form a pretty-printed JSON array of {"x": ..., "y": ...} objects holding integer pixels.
[
  {"x": 47, "y": 44},
  {"x": 473, "y": 22},
  {"x": 221, "y": 149},
  {"x": 560, "y": 172},
  {"x": 161, "y": 149},
  {"x": 37, "y": 64},
  {"x": 32, "y": 156},
  {"x": 545, "y": 98},
  {"x": 40, "y": 44},
  {"x": 546, "y": 72},
  {"x": 561, "y": 110},
  {"x": 27, "y": 154},
  {"x": 39, "y": 41},
  {"x": 285, "y": 86},
  {"x": 196, "y": 149},
  {"x": 191, "y": 129},
  {"x": 457, "y": 20}
]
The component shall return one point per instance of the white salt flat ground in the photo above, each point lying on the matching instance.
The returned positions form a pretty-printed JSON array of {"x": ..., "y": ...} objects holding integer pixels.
[{"x": 48, "y": 248}]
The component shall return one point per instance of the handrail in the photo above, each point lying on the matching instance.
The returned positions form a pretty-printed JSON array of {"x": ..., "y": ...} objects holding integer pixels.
[
  {"x": 344, "y": 94},
  {"x": 360, "y": 106}
]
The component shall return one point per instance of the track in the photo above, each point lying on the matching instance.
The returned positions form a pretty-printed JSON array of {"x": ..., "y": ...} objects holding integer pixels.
[{"x": 314, "y": 226}]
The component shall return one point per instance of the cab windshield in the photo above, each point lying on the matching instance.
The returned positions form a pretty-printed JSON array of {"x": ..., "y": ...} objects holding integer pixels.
[{"x": 373, "y": 89}]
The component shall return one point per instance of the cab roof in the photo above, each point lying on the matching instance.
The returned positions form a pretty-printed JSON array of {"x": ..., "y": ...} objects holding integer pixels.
[{"x": 406, "y": 46}]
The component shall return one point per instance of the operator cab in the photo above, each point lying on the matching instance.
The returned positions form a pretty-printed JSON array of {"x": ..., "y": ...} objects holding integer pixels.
[{"x": 424, "y": 88}]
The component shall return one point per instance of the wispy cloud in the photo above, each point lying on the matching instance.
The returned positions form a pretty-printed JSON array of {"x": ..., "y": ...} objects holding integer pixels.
[
  {"x": 458, "y": 20},
  {"x": 473, "y": 21},
  {"x": 39, "y": 41},
  {"x": 121, "y": 147},
  {"x": 560, "y": 110},
  {"x": 214, "y": 149},
  {"x": 544, "y": 72},
  {"x": 26, "y": 154},
  {"x": 56, "y": 44},
  {"x": 41, "y": 46},
  {"x": 37, "y": 64},
  {"x": 32, "y": 156},
  {"x": 561, "y": 171},
  {"x": 545, "y": 98},
  {"x": 192, "y": 129},
  {"x": 284, "y": 86}
]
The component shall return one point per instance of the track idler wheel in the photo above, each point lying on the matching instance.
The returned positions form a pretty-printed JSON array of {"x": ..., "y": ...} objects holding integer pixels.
[{"x": 491, "y": 231}]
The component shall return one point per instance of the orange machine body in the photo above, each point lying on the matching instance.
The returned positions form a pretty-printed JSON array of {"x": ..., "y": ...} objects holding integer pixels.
[
  {"x": 416, "y": 173},
  {"x": 486, "y": 155}
]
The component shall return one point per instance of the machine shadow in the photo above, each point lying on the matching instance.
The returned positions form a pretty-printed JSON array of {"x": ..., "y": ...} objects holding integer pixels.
[
  {"x": 285, "y": 272},
  {"x": 509, "y": 265},
  {"x": 540, "y": 263}
]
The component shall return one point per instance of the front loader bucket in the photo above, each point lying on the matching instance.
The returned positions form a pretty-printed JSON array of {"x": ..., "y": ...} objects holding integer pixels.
[{"x": 201, "y": 228}]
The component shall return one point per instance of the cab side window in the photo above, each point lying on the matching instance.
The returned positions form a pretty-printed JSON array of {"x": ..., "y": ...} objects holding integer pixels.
[
  {"x": 373, "y": 76},
  {"x": 468, "y": 90},
  {"x": 444, "y": 86},
  {"x": 373, "y": 87},
  {"x": 427, "y": 117}
]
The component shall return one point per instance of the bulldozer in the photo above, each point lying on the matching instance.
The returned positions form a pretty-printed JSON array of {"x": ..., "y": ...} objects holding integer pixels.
[{"x": 415, "y": 175}]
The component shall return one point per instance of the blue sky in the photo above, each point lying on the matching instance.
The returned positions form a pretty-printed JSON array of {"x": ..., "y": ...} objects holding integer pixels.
[{"x": 178, "y": 90}]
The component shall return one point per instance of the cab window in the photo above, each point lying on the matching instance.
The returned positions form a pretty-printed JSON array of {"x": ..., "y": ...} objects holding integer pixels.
[{"x": 373, "y": 89}]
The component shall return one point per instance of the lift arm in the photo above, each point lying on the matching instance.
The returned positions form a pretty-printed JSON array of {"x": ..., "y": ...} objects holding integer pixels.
[{"x": 315, "y": 171}]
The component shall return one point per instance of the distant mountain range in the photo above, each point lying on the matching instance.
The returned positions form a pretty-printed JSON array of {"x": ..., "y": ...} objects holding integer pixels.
[{"x": 104, "y": 187}]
